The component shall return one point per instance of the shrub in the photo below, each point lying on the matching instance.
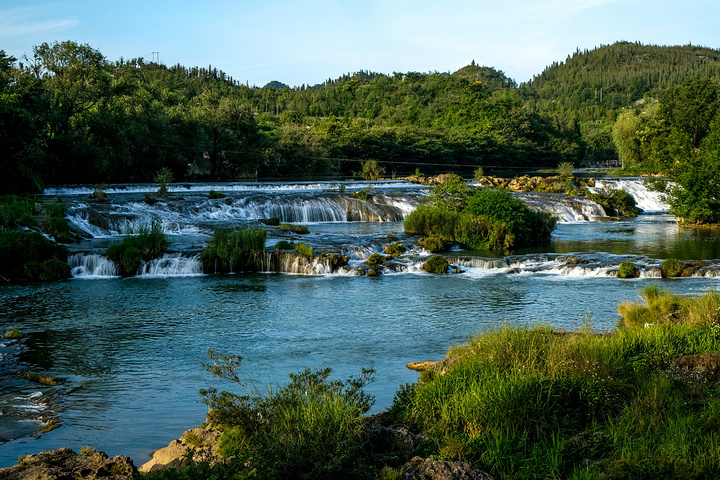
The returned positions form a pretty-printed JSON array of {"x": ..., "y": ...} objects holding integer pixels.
[
  {"x": 163, "y": 178},
  {"x": 628, "y": 270},
  {"x": 149, "y": 243},
  {"x": 234, "y": 250},
  {"x": 55, "y": 223},
  {"x": 17, "y": 211},
  {"x": 436, "y": 264},
  {"x": 284, "y": 245},
  {"x": 430, "y": 220},
  {"x": 360, "y": 195},
  {"x": 304, "y": 249},
  {"x": 311, "y": 428},
  {"x": 213, "y": 195},
  {"x": 479, "y": 173},
  {"x": 22, "y": 248},
  {"x": 99, "y": 193},
  {"x": 433, "y": 244},
  {"x": 149, "y": 199},
  {"x": 672, "y": 267},
  {"x": 395, "y": 249},
  {"x": 371, "y": 170},
  {"x": 14, "y": 334},
  {"x": 375, "y": 259},
  {"x": 615, "y": 202},
  {"x": 299, "y": 229},
  {"x": 565, "y": 169},
  {"x": 451, "y": 193},
  {"x": 54, "y": 269},
  {"x": 272, "y": 221}
]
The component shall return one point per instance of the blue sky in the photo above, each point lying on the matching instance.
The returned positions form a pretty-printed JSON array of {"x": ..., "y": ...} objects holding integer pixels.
[{"x": 308, "y": 41}]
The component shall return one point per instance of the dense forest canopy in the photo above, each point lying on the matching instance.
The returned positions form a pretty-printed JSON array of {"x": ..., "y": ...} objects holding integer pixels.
[{"x": 69, "y": 115}]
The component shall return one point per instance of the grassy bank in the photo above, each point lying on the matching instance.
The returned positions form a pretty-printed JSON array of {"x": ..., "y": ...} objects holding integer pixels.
[{"x": 538, "y": 403}]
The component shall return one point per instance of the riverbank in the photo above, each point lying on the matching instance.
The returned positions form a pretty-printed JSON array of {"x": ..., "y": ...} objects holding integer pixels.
[{"x": 536, "y": 402}]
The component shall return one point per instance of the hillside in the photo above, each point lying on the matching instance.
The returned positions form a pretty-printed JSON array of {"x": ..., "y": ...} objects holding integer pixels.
[{"x": 591, "y": 83}]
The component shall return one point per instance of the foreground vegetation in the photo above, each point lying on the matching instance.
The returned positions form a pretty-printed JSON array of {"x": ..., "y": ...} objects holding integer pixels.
[
  {"x": 538, "y": 403},
  {"x": 642, "y": 402}
]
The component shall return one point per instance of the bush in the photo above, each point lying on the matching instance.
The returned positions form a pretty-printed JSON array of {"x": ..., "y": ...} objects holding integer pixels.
[
  {"x": 272, "y": 221},
  {"x": 433, "y": 244},
  {"x": 451, "y": 193},
  {"x": 14, "y": 334},
  {"x": 479, "y": 173},
  {"x": 395, "y": 249},
  {"x": 55, "y": 223},
  {"x": 213, "y": 195},
  {"x": 163, "y": 178},
  {"x": 235, "y": 250},
  {"x": 54, "y": 269},
  {"x": 436, "y": 264},
  {"x": 22, "y": 248},
  {"x": 672, "y": 267},
  {"x": 628, "y": 270},
  {"x": 375, "y": 259},
  {"x": 284, "y": 245},
  {"x": 17, "y": 211},
  {"x": 299, "y": 229},
  {"x": 371, "y": 170},
  {"x": 615, "y": 202},
  {"x": 565, "y": 169},
  {"x": 311, "y": 428},
  {"x": 360, "y": 195},
  {"x": 304, "y": 249},
  {"x": 148, "y": 244}
]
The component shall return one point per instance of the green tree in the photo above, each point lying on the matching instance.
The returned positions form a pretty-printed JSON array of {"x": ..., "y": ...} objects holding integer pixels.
[
  {"x": 625, "y": 137},
  {"x": 696, "y": 196}
]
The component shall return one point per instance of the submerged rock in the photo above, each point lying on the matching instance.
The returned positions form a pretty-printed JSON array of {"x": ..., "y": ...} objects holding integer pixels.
[
  {"x": 431, "y": 469},
  {"x": 66, "y": 464}
]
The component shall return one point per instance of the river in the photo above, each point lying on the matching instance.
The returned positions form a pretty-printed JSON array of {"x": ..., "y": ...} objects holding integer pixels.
[{"x": 131, "y": 350}]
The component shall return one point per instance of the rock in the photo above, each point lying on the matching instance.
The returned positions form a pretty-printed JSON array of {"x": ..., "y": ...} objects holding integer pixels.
[
  {"x": 203, "y": 442},
  {"x": 704, "y": 367},
  {"x": 64, "y": 464},
  {"x": 431, "y": 469},
  {"x": 422, "y": 366},
  {"x": 386, "y": 436}
]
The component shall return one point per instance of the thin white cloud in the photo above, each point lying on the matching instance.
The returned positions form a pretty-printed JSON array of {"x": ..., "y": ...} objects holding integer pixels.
[{"x": 23, "y": 21}]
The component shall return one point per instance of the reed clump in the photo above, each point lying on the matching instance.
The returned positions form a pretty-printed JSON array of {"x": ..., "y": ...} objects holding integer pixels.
[
  {"x": 528, "y": 403},
  {"x": 147, "y": 244},
  {"x": 235, "y": 250}
]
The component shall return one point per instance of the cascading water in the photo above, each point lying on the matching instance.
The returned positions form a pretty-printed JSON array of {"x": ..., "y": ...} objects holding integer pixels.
[
  {"x": 645, "y": 197},
  {"x": 567, "y": 209}
]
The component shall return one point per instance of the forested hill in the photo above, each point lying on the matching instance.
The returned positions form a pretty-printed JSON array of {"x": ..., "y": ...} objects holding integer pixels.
[
  {"x": 69, "y": 115},
  {"x": 591, "y": 83}
]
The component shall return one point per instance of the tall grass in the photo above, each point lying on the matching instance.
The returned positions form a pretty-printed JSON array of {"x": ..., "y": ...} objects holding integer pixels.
[
  {"x": 537, "y": 403},
  {"x": 148, "y": 243},
  {"x": 235, "y": 250}
]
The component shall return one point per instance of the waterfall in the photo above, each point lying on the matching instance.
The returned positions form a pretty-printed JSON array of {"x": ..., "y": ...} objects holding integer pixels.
[
  {"x": 639, "y": 188},
  {"x": 172, "y": 265},
  {"x": 92, "y": 265},
  {"x": 568, "y": 209}
]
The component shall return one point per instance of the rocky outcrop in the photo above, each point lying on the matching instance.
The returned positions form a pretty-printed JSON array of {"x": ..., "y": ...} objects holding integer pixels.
[
  {"x": 202, "y": 442},
  {"x": 440, "y": 367},
  {"x": 393, "y": 443},
  {"x": 431, "y": 469},
  {"x": 64, "y": 464}
]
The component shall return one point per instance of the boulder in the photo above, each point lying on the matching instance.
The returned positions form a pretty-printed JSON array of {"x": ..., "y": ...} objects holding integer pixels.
[
  {"x": 64, "y": 464},
  {"x": 704, "y": 367},
  {"x": 431, "y": 469},
  {"x": 202, "y": 442},
  {"x": 394, "y": 444}
]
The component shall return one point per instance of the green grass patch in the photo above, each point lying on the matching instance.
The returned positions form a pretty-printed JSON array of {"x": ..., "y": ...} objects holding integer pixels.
[
  {"x": 299, "y": 229},
  {"x": 234, "y": 250},
  {"x": 672, "y": 267},
  {"x": 531, "y": 403},
  {"x": 147, "y": 244}
]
